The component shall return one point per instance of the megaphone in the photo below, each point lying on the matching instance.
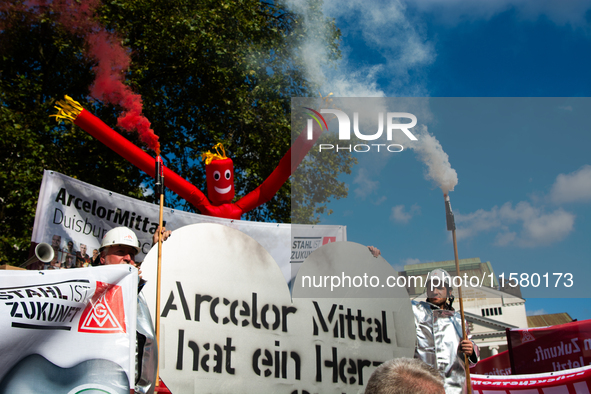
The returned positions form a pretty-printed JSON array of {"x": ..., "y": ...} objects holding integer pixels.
[{"x": 43, "y": 252}]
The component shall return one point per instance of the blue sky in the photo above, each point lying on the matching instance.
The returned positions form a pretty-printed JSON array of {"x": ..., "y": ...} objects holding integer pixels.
[{"x": 523, "y": 198}]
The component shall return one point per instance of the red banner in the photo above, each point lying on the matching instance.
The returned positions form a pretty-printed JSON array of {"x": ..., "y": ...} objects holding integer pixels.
[
  {"x": 499, "y": 364},
  {"x": 576, "y": 381},
  {"x": 550, "y": 349}
]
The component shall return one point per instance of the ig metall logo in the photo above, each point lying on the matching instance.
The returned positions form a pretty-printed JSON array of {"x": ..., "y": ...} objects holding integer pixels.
[{"x": 392, "y": 126}]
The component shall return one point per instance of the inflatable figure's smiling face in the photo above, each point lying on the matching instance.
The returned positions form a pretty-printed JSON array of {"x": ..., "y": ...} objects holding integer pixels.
[{"x": 220, "y": 181}]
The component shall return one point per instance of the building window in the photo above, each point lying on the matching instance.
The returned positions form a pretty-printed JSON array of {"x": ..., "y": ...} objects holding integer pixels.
[{"x": 491, "y": 311}]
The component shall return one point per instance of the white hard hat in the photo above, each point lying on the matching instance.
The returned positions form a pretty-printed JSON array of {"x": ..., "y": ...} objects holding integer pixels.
[
  {"x": 442, "y": 277},
  {"x": 120, "y": 236}
]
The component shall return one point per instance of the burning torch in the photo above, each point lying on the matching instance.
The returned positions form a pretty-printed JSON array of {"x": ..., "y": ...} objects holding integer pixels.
[
  {"x": 72, "y": 110},
  {"x": 159, "y": 190},
  {"x": 451, "y": 226}
]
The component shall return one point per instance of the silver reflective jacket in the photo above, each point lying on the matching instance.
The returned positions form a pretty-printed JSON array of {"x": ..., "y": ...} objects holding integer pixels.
[
  {"x": 146, "y": 352},
  {"x": 439, "y": 333}
]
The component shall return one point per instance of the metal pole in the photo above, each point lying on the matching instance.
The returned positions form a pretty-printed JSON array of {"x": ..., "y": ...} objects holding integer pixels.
[{"x": 451, "y": 226}]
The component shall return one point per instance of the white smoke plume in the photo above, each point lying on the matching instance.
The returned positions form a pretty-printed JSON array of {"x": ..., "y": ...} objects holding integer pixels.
[
  {"x": 431, "y": 153},
  {"x": 387, "y": 28}
]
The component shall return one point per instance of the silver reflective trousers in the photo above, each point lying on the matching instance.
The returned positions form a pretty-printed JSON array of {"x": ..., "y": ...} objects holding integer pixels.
[
  {"x": 146, "y": 352},
  {"x": 439, "y": 333}
]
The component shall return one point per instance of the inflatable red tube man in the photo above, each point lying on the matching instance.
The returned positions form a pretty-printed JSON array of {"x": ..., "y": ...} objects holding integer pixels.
[
  {"x": 219, "y": 172},
  {"x": 220, "y": 199}
]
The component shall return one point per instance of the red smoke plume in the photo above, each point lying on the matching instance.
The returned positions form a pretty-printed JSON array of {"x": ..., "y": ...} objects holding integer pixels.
[{"x": 112, "y": 61}]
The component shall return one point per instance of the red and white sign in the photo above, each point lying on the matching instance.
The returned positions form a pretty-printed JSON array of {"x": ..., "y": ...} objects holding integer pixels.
[
  {"x": 550, "y": 349},
  {"x": 104, "y": 313},
  {"x": 79, "y": 324},
  {"x": 526, "y": 336},
  {"x": 326, "y": 240},
  {"x": 575, "y": 381},
  {"x": 499, "y": 364}
]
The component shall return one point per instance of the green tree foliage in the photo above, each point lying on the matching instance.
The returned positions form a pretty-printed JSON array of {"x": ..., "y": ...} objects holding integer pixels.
[{"x": 208, "y": 71}]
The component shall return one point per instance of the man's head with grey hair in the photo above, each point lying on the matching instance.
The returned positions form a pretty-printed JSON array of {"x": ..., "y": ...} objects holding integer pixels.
[{"x": 405, "y": 376}]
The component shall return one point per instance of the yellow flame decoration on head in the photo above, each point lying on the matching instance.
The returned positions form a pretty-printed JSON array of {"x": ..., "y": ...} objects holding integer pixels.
[
  {"x": 326, "y": 100},
  {"x": 68, "y": 109},
  {"x": 208, "y": 156}
]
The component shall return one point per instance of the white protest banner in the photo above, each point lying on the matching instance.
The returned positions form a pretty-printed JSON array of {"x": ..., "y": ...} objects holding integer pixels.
[
  {"x": 66, "y": 331},
  {"x": 229, "y": 325},
  {"x": 73, "y": 217}
]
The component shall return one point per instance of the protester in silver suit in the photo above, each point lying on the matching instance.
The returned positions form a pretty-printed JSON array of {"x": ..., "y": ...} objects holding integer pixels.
[
  {"x": 120, "y": 246},
  {"x": 405, "y": 376},
  {"x": 439, "y": 333}
]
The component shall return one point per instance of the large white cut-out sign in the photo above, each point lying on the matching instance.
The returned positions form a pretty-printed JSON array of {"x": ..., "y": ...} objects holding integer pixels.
[{"x": 228, "y": 324}]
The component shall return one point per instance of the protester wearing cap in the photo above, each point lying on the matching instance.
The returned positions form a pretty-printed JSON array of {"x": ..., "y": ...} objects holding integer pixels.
[
  {"x": 120, "y": 245},
  {"x": 439, "y": 333}
]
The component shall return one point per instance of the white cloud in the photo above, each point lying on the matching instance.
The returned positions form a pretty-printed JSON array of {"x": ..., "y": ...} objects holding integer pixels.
[
  {"x": 147, "y": 189},
  {"x": 536, "y": 312},
  {"x": 476, "y": 222},
  {"x": 522, "y": 212},
  {"x": 398, "y": 267},
  {"x": 523, "y": 225},
  {"x": 401, "y": 216},
  {"x": 570, "y": 12},
  {"x": 411, "y": 261},
  {"x": 573, "y": 187},
  {"x": 366, "y": 185},
  {"x": 380, "y": 200},
  {"x": 398, "y": 214},
  {"x": 547, "y": 228},
  {"x": 407, "y": 261},
  {"x": 504, "y": 239},
  {"x": 527, "y": 224}
]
